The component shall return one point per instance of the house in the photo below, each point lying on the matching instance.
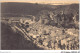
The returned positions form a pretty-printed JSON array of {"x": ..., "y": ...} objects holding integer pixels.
[{"x": 29, "y": 19}]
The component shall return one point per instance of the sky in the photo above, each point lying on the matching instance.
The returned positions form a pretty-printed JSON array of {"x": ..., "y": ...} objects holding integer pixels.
[{"x": 42, "y": 1}]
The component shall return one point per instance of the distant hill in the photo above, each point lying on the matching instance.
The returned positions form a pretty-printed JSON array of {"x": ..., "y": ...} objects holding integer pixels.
[
  {"x": 20, "y": 9},
  {"x": 73, "y": 8}
]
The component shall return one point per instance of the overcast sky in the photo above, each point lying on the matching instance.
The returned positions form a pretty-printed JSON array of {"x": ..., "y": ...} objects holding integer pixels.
[{"x": 42, "y": 1}]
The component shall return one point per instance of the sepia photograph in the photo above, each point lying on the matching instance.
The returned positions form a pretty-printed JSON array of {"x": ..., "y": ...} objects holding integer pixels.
[{"x": 39, "y": 24}]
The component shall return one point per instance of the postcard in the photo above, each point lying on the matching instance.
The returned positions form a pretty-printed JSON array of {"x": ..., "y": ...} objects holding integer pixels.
[{"x": 39, "y": 25}]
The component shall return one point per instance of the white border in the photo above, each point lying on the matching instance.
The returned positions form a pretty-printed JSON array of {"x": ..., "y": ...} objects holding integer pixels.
[
  {"x": 79, "y": 24},
  {"x": 37, "y": 51}
]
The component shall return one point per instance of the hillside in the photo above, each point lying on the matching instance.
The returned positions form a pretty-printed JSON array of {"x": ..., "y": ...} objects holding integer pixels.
[
  {"x": 20, "y": 9},
  {"x": 39, "y": 26}
]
